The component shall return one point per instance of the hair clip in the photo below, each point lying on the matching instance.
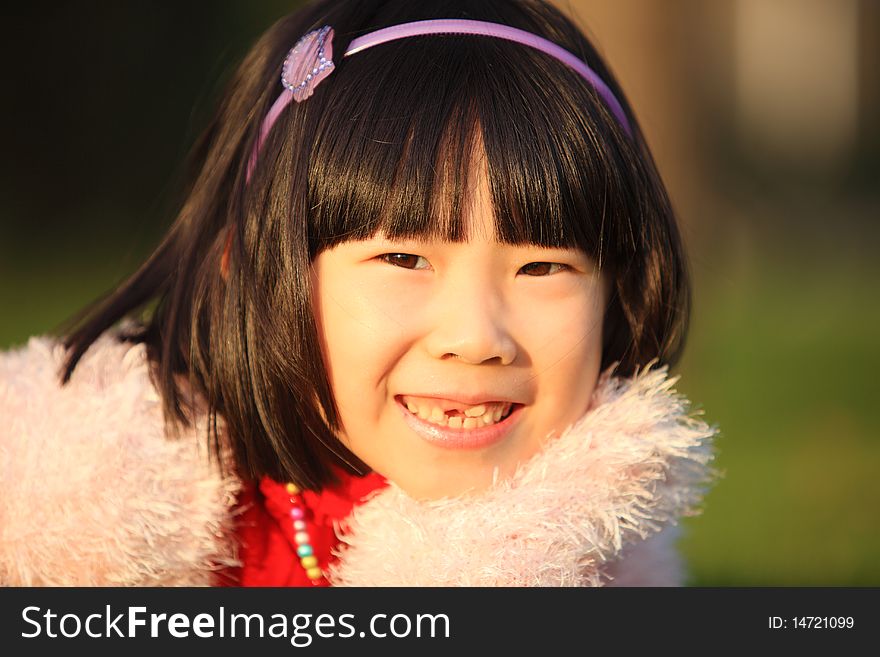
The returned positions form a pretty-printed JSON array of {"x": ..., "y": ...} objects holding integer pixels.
[{"x": 308, "y": 62}]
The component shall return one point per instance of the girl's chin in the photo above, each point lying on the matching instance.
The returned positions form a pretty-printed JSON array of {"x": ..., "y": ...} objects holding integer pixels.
[
  {"x": 447, "y": 477},
  {"x": 428, "y": 470},
  {"x": 427, "y": 493}
]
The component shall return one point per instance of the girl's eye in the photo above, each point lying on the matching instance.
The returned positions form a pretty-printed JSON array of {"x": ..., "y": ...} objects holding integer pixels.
[
  {"x": 405, "y": 260},
  {"x": 542, "y": 268}
]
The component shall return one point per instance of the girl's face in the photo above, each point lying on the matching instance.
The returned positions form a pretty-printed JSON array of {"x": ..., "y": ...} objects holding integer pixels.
[{"x": 451, "y": 361}]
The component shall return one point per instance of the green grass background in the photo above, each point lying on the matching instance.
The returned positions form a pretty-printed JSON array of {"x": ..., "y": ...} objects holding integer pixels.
[{"x": 783, "y": 357}]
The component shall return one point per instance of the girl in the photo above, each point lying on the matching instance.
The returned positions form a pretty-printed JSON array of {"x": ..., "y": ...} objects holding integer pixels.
[{"x": 413, "y": 303}]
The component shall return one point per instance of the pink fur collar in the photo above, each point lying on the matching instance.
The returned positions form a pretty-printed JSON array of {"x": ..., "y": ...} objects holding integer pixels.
[
  {"x": 95, "y": 494},
  {"x": 630, "y": 467}
]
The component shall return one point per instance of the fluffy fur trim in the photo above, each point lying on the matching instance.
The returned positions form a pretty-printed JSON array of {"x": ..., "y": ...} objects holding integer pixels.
[
  {"x": 577, "y": 514},
  {"x": 93, "y": 493}
]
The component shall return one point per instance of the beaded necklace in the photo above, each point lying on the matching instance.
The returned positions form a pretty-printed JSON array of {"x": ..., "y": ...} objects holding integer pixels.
[{"x": 304, "y": 549}]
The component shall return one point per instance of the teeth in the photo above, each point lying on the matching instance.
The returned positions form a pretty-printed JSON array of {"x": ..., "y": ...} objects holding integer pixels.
[
  {"x": 476, "y": 411},
  {"x": 474, "y": 417}
]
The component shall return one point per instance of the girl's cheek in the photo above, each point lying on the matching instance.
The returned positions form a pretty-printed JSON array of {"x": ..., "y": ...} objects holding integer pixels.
[
  {"x": 563, "y": 320},
  {"x": 396, "y": 306}
]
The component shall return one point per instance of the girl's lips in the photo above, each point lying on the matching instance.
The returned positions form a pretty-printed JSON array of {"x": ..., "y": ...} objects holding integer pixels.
[{"x": 461, "y": 438}]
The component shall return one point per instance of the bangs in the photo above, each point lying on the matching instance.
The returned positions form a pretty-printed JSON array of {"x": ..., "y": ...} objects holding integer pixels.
[{"x": 400, "y": 161}]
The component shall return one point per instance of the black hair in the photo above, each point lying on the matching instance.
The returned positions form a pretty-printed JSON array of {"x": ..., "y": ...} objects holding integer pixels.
[{"x": 386, "y": 142}]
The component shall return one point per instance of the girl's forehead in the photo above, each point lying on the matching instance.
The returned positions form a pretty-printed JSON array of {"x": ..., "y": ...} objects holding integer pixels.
[
  {"x": 478, "y": 215},
  {"x": 467, "y": 184}
]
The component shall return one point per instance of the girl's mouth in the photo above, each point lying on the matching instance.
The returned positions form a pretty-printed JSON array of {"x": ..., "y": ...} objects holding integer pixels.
[
  {"x": 461, "y": 426},
  {"x": 464, "y": 417}
]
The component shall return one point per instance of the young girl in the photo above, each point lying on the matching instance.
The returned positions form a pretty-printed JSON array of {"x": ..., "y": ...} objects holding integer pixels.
[{"x": 411, "y": 327}]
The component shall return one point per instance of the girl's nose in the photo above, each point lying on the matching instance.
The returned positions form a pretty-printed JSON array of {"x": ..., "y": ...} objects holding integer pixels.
[{"x": 470, "y": 325}]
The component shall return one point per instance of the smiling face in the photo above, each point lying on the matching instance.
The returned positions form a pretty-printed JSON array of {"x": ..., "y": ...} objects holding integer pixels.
[{"x": 451, "y": 360}]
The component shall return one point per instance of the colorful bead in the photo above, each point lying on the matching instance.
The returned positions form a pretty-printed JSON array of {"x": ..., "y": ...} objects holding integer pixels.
[{"x": 301, "y": 537}]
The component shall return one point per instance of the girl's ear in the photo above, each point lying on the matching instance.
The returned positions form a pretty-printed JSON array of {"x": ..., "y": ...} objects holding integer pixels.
[{"x": 224, "y": 259}]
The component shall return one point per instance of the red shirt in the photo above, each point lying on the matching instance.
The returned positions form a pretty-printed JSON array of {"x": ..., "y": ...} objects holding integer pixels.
[{"x": 265, "y": 534}]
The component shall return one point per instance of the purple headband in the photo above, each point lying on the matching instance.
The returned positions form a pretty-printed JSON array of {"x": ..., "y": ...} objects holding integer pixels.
[{"x": 311, "y": 60}]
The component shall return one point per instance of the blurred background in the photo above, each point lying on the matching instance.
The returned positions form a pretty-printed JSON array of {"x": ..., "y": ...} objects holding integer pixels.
[{"x": 762, "y": 117}]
